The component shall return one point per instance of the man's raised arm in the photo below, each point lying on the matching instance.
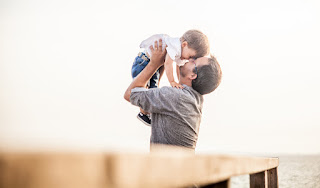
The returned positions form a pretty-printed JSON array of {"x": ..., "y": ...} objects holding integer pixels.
[{"x": 156, "y": 61}]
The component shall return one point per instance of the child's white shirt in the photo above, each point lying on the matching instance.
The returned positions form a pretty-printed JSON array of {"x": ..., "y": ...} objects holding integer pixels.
[{"x": 173, "y": 46}]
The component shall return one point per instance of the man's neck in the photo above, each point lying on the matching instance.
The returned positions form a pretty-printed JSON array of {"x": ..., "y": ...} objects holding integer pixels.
[{"x": 185, "y": 81}]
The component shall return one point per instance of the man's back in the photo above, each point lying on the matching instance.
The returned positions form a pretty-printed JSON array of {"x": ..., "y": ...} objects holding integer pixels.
[{"x": 176, "y": 114}]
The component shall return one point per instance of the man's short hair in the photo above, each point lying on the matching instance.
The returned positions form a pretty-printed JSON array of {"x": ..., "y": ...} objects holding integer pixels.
[
  {"x": 209, "y": 77},
  {"x": 197, "y": 41}
]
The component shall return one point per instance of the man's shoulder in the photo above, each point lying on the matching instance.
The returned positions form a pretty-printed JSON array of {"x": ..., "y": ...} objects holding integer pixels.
[
  {"x": 185, "y": 93},
  {"x": 164, "y": 90},
  {"x": 170, "y": 89}
]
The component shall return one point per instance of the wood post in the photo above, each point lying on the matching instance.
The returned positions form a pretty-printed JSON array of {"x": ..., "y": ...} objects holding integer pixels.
[
  {"x": 273, "y": 178},
  {"x": 258, "y": 180},
  {"x": 265, "y": 179},
  {"x": 222, "y": 184}
]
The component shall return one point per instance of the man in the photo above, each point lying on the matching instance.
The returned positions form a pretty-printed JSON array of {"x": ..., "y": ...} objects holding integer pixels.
[{"x": 175, "y": 113}]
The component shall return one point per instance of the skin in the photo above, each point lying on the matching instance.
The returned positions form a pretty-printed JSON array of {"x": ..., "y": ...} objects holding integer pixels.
[
  {"x": 186, "y": 53},
  {"x": 157, "y": 60},
  {"x": 186, "y": 71}
]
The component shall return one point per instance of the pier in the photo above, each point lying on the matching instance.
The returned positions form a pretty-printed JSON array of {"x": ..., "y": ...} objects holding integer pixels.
[{"x": 161, "y": 168}]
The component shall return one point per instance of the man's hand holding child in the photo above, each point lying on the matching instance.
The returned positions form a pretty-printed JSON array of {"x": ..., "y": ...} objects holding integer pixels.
[{"x": 157, "y": 54}]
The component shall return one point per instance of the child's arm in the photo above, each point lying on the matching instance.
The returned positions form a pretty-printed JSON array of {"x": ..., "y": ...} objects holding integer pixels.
[
  {"x": 168, "y": 65},
  {"x": 178, "y": 72}
]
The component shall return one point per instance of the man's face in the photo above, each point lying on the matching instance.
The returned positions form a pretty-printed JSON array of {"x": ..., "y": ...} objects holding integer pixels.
[{"x": 187, "y": 68}]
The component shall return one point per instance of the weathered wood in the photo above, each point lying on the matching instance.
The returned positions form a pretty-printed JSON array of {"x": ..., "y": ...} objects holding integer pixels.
[
  {"x": 222, "y": 184},
  {"x": 52, "y": 170},
  {"x": 273, "y": 178},
  {"x": 168, "y": 168},
  {"x": 258, "y": 180},
  {"x": 179, "y": 170}
]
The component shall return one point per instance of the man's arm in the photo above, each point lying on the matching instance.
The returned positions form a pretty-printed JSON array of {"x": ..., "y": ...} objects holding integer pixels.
[{"x": 157, "y": 60}]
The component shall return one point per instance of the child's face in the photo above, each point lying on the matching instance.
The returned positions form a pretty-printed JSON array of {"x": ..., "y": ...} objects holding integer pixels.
[{"x": 187, "y": 53}]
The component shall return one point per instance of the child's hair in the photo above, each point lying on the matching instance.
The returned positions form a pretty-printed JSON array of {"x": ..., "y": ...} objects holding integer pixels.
[{"x": 198, "y": 41}]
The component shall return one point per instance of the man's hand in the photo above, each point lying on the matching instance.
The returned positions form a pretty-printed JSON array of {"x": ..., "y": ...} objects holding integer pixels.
[{"x": 157, "y": 54}]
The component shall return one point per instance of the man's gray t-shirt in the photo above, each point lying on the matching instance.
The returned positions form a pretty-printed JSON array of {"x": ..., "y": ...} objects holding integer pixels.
[{"x": 175, "y": 114}]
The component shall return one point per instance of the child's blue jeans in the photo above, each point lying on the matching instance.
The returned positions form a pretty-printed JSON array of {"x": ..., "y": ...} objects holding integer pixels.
[{"x": 140, "y": 62}]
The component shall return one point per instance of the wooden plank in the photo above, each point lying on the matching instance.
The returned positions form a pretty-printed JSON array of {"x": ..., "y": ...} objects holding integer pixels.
[
  {"x": 168, "y": 168},
  {"x": 273, "y": 178},
  {"x": 258, "y": 180},
  {"x": 52, "y": 170}
]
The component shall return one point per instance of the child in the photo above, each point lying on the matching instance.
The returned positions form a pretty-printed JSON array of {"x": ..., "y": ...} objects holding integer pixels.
[{"x": 192, "y": 44}]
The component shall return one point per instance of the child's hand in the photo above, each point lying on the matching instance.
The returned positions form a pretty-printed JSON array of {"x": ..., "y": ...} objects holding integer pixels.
[{"x": 176, "y": 85}]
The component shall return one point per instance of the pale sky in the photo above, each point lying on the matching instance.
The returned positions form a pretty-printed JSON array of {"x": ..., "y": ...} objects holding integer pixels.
[{"x": 65, "y": 65}]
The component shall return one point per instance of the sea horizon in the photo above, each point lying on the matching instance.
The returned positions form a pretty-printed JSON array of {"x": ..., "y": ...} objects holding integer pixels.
[{"x": 294, "y": 171}]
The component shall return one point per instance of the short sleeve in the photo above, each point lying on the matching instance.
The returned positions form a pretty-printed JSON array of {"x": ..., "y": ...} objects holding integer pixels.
[
  {"x": 172, "y": 52},
  {"x": 173, "y": 48},
  {"x": 157, "y": 100}
]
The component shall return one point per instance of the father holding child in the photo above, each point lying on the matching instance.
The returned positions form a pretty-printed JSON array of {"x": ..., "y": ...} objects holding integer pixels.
[
  {"x": 192, "y": 44},
  {"x": 175, "y": 112}
]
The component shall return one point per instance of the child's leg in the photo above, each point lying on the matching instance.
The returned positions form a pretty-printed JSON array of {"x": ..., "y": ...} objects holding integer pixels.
[
  {"x": 144, "y": 112},
  {"x": 154, "y": 81},
  {"x": 139, "y": 64}
]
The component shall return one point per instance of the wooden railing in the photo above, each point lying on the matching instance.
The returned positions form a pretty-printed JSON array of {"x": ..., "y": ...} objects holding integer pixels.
[{"x": 161, "y": 168}]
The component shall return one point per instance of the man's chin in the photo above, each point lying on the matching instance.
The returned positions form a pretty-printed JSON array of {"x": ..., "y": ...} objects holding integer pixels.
[{"x": 181, "y": 71}]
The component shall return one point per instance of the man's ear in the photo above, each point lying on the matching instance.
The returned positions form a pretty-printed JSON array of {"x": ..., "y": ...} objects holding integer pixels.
[
  {"x": 184, "y": 44},
  {"x": 193, "y": 76}
]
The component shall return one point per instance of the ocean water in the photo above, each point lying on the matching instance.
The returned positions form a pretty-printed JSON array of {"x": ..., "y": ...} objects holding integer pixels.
[{"x": 294, "y": 171}]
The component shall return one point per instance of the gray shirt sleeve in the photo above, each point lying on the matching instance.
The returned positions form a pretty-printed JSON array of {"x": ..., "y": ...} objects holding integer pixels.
[{"x": 157, "y": 100}]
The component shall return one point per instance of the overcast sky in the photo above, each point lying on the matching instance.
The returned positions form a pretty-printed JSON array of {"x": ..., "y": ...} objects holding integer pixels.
[{"x": 65, "y": 64}]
